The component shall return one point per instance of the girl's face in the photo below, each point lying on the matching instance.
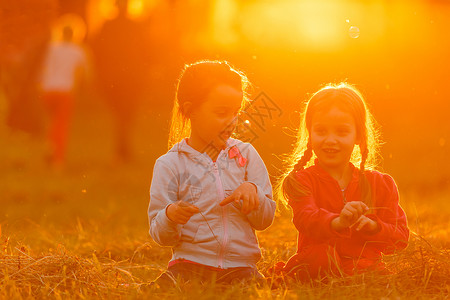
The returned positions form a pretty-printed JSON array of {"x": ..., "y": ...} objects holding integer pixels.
[
  {"x": 213, "y": 122},
  {"x": 333, "y": 137}
]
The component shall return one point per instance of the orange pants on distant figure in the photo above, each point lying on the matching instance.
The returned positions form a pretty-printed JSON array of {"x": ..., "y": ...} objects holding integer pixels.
[
  {"x": 59, "y": 108},
  {"x": 322, "y": 260}
]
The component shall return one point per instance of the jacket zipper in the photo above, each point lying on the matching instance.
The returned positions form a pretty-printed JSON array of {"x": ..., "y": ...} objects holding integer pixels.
[
  {"x": 224, "y": 215},
  {"x": 343, "y": 195}
]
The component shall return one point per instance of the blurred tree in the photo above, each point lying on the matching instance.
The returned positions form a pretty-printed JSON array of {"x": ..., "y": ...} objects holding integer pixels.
[{"x": 24, "y": 34}]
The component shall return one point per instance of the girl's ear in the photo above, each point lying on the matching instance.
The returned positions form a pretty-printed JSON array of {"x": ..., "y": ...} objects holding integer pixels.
[
  {"x": 186, "y": 108},
  {"x": 358, "y": 139}
]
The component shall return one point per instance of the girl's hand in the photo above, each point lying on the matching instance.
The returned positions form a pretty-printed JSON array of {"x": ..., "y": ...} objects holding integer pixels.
[
  {"x": 367, "y": 225},
  {"x": 180, "y": 212},
  {"x": 247, "y": 193},
  {"x": 349, "y": 215}
]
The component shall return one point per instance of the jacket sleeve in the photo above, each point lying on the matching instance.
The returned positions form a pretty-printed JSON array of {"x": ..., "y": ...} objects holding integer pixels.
[
  {"x": 394, "y": 232},
  {"x": 310, "y": 219},
  {"x": 163, "y": 231},
  {"x": 257, "y": 174}
]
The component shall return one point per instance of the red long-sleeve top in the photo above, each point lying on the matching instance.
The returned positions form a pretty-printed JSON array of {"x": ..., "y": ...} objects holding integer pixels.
[{"x": 312, "y": 214}]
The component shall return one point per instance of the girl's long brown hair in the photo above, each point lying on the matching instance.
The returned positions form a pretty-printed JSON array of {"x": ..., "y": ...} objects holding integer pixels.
[
  {"x": 347, "y": 98},
  {"x": 196, "y": 81}
]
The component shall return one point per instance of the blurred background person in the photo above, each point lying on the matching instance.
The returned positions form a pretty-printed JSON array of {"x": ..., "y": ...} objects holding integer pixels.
[
  {"x": 64, "y": 66},
  {"x": 121, "y": 58}
]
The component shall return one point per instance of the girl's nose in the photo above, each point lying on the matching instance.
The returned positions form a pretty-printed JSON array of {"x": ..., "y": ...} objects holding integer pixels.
[{"x": 330, "y": 139}]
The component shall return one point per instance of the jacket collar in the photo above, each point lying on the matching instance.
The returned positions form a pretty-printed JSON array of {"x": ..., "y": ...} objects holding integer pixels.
[
  {"x": 184, "y": 147},
  {"x": 321, "y": 173}
]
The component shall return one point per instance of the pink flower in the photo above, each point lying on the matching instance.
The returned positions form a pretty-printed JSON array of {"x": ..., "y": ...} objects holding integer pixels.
[{"x": 234, "y": 153}]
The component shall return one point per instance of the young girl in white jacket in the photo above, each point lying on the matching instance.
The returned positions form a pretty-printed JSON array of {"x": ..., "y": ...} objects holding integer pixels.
[{"x": 210, "y": 192}]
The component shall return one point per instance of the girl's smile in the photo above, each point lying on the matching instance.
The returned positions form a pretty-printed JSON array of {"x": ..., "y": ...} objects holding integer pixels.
[{"x": 328, "y": 150}]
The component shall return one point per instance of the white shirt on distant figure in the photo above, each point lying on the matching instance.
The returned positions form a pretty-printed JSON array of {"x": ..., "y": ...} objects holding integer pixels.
[{"x": 60, "y": 66}]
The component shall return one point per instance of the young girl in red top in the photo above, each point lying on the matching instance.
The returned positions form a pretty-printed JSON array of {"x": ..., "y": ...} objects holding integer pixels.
[{"x": 346, "y": 216}]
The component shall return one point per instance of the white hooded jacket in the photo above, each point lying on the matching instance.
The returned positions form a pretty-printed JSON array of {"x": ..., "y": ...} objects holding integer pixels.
[{"x": 218, "y": 236}]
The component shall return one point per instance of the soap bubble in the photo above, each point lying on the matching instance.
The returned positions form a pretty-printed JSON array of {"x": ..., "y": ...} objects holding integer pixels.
[{"x": 353, "y": 32}]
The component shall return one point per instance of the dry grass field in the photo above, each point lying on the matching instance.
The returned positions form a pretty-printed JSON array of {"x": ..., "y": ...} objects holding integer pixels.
[{"x": 82, "y": 232}]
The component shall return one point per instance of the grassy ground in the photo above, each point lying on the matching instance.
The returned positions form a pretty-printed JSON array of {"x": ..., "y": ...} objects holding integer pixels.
[{"x": 82, "y": 232}]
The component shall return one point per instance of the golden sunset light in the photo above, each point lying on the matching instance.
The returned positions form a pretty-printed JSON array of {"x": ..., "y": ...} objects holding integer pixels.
[{"x": 224, "y": 149}]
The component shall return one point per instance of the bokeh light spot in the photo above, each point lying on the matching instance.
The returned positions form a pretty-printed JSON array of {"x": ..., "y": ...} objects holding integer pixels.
[{"x": 353, "y": 32}]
